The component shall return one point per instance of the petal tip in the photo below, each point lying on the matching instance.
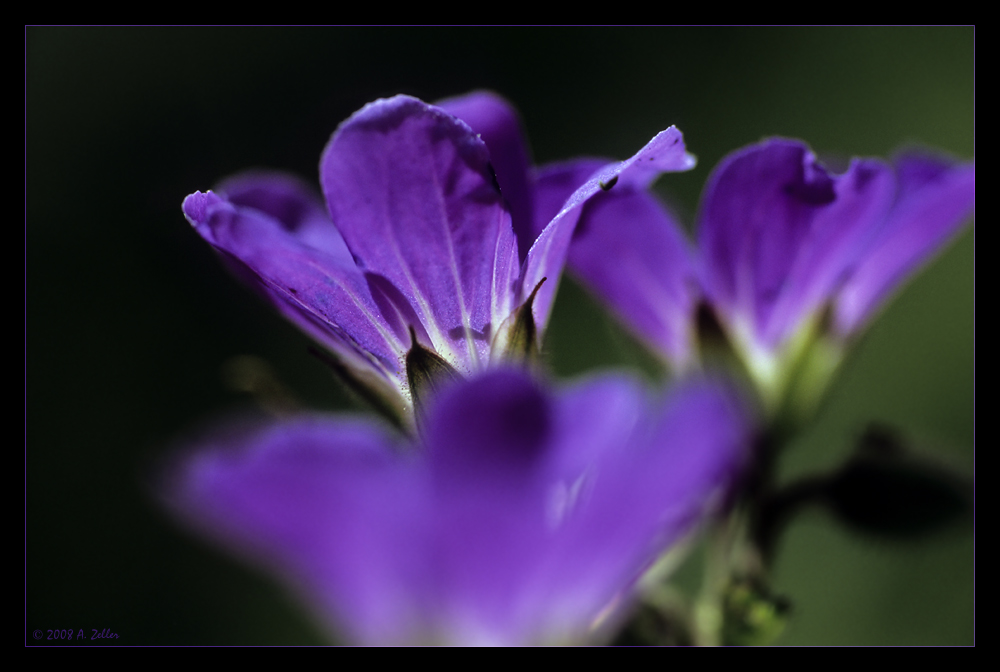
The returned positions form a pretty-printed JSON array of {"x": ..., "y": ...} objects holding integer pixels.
[{"x": 197, "y": 205}]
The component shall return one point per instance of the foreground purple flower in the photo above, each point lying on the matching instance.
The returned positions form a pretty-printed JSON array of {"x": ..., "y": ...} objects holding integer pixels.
[
  {"x": 519, "y": 517},
  {"x": 783, "y": 242},
  {"x": 414, "y": 249}
]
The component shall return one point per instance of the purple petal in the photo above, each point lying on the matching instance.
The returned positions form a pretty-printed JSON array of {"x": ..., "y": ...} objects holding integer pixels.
[
  {"x": 318, "y": 289},
  {"x": 633, "y": 255},
  {"x": 412, "y": 192},
  {"x": 505, "y": 416},
  {"x": 837, "y": 237},
  {"x": 522, "y": 518},
  {"x": 498, "y": 124},
  {"x": 328, "y": 505},
  {"x": 778, "y": 233},
  {"x": 703, "y": 435},
  {"x": 643, "y": 493},
  {"x": 555, "y": 183},
  {"x": 664, "y": 153},
  {"x": 297, "y": 206},
  {"x": 936, "y": 197}
]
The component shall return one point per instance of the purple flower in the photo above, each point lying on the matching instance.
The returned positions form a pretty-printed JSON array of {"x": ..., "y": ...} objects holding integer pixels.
[
  {"x": 784, "y": 245},
  {"x": 415, "y": 246},
  {"x": 518, "y": 517}
]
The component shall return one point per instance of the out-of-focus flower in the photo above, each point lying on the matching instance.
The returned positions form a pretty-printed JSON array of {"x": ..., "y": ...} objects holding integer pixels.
[
  {"x": 519, "y": 516},
  {"x": 414, "y": 256},
  {"x": 787, "y": 250}
]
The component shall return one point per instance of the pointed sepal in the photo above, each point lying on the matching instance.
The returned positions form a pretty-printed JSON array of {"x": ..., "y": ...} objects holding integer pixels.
[
  {"x": 427, "y": 372},
  {"x": 517, "y": 339}
]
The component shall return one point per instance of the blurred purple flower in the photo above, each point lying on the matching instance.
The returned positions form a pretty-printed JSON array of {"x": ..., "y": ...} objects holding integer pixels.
[
  {"x": 518, "y": 517},
  {"x": 416, "y": 235},
  {"x": 782, "y": 238},
  {"x": 781, "y": 241}
]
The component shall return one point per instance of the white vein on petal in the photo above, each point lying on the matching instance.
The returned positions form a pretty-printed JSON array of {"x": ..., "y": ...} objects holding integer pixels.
[
  {"x": 501, "y": 311},
  {"x": 456, "y": 277},
  {"x": 429, "y": 323}
]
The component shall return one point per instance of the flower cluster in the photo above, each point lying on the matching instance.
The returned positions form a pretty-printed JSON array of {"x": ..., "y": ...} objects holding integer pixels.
[{"x": 500, "y": 511}]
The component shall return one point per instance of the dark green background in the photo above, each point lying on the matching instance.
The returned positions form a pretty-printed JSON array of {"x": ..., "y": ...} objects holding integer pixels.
[{"x": 130, "y": 318}]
